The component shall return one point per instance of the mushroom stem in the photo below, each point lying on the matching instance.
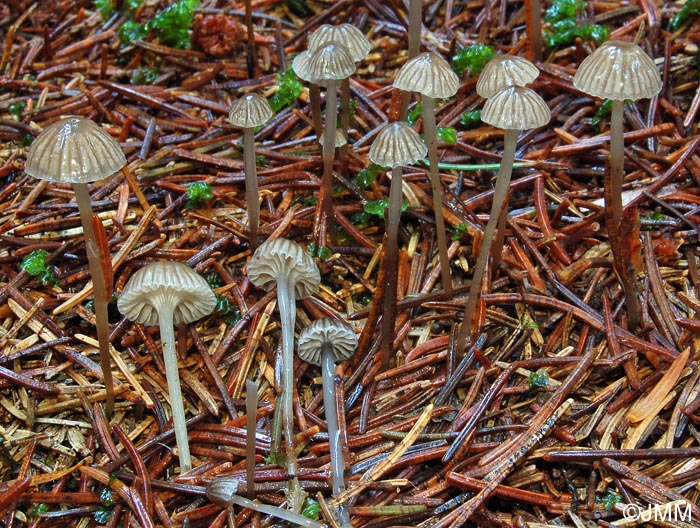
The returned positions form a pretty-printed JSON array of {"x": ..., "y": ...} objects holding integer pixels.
[
  {"x": 431, "y": 139},
  {"x": 315, "y": 96},
  {"x": 251, "y": 408},
  {"x": 82, "y": 197},
  {"x": 391, "y": 265},
  {"x": 167, "y": 338},
  {"x": 499, "y": 198},
  {"x": 415, "y": 12},
  {"x": 328, "y": 155},
  {"x": 251, "y": 185}
]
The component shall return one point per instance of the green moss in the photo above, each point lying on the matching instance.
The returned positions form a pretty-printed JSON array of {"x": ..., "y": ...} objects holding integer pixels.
[
  {"x": 610, "y": 499},
  {"x": 472, "y": 58},
  {"x": 197, "y": 194},
  {"x": 288, "y": 89},
  {"x": 17, "y": 108},
  {"x": 311, "y": 509},
  {"x": 35, "y": 264},
  {"x": 539, "y": 379},
  {"x": 447, "y": 135},
  {"x": 379, "y": 207},
  {"x": 130, "y": 31},
  {"x": 460, "y": 230},
  {"x": 470, "y": 119},
  {"x": 562, "y": 16},
  {"x": 105, "y": 8},
  {"x": 690, "y": 8},
  {"x": 367, "y": 176},
  {"x": 603, "y": 110}
]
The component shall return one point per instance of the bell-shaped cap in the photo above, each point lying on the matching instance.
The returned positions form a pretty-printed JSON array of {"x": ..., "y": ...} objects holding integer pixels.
[
  {"x": 503, "y": 71},
  {"x": 340, "y": 139},
  {"x": 166, "y": 284},
  {"x": 326, "y": 330},
  {"x": 396, "y": 145},
  {"x": 353, "y": 39},
  {"x": 300, "y": 65},
  {"x": 330, "y": 61},
  {"x": 283, "y": 259},
  {"x": 74, "y": 150},
  {"x": 250, "y": 111},
  {"x": 429, "y": 75},
  {"x": 221, "y": 490},
  {"x": 516, "y": 108},
  {"x": 618, "y": 70}
]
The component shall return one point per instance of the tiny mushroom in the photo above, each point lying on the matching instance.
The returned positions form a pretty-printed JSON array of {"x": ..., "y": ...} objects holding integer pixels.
[
  {"x": 300, "y": 65},
  {"x": 396, "y": 145},
  {"x": 78, "y": 151},
  {"x": 513, "y": 109},
  {"x": 431, "y": 76},
  {"x": 503, "y": 71},
  {"x": 285, "y": 264},
  {"x": 168, "y": 293},
  {"x": 248, "y": 112},
  {"x": 322, "y": 343},
  {"x": 618, "y": 71}
]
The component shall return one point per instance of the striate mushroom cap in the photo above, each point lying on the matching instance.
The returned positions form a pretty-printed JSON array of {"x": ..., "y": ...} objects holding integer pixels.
[
  {"x": 221, "y": 490},
  {"x": 353, "y": 39},
  {"x": 340, "y": 139},
  {"x": 326, "y": 330},
  {"x": 300, "y": 65},
  {"x": 330, "y": 61},
  {"x": 74, "y": 150},
  {"x": 251, "y": 110},
  {"x": 283, "y": 258},
  {"x": 396, "y": 145},
  {"x": 159, "y": 283},
  {"x": 516, "y": 108},
  {"x": 618, "y": 70},
  {"x": 428, "y": 74},
  {"x": 503, "y": 71}
]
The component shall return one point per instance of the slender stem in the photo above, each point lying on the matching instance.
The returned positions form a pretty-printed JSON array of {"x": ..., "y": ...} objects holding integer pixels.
[
  {"x": 499, "y": 198},
  {"x": 82, "y": 197},
  {"x": 251, "y": 57},
  {"x": 315, "y": 96},
  {"x": 415, "y": 22},
  {"x": 251, "y": 408},
  {"x": 328, "y": 155},
  {"x": 167, "y": 339},
  {"x": 499, "y": 239},
  {"x": 533, "y": 29},
  {"x": 431, "y": 139},
  {"x": 267, "y": 509},
  {"x": 391, "y": 266},
  {"x": 251, "y": 185}
]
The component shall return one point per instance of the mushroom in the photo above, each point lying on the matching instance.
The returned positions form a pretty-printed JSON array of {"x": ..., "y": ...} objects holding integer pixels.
[
  {"x": 248, "y": 112},
  {"x": 78, "y": 151},
  {"x": 322, "y": 343},
  {"x": 168, "y": 293},
  {"x": 503, "y": 71},
  {"x": 396, "y": 145},
  {"x": 223, "y": 492},
  {"x": 300, "y": 65},
  {"x": 287, "y": 265},
  {"x": 513, "y": 109},
  {"x": 431, "y": 76},
  {"x": 618, "y": 70}
]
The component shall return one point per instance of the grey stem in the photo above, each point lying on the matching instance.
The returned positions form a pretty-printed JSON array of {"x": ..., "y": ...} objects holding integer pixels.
[
  {"x": 315, "y": 96},
  {"x": 251, "y": 185},
  {"x": 167, "y": 339},
  {"x": 82, "y": 197},
  {"x": 287, "y": 308},
  {"x": 251, "y": 408},
  {"x": 328, "y": 155},
  {"x": 431, "y": 139},
  {"x": 267, "y": 509},
  {"x": 415, "y": 23},
  {"x": 499, "y": 198}
]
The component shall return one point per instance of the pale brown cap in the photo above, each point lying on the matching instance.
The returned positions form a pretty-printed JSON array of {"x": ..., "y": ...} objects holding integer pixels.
[
  {"x": 300, "y": 65},
  {"x": 516, "y": 108},
  {"x": 330, "y": 61},
  {"x": 283, "y": 258},
  {"x": 618, "y": 70},
  {"x": 340, "y": 139},
  {"x": 353, "y": 39},
  {"x": 74, "y": 150},
  {"x": 396, "y": 145},
  {"x": 166, "y": 283},
  {"x": 326, "y": 330},
  {"x": 503, "y": 71},
  {"x": 250, "y": 111},
  {"x": 429, "y": 75}
]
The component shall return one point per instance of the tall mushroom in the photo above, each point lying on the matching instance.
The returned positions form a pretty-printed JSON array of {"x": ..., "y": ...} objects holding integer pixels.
[
  {"x": 619, "y": 71},
  {"x": 285, "y": 264},
  {"x": 396, "y": 145},
  {"x": 431, "y": 76},
  {"x": 168, "y": 293},
  {"x": 322, "y": 343},
  {"x": 513, "y": 109},
  {"x": 248, "y": 112},
  {"x": 78, "y": 151}
]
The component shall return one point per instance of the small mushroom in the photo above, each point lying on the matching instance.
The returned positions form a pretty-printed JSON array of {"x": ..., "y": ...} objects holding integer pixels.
[
  {"x": 618, "y": 70},
  {"x": 168, "y": 293},
  {"x": 248, "y": 112},
  {"x": 503, "y": 71},
  {"x": 300, "y": 65},
  {"x": 78, "y": 151},
  {"x": 513, "y": 109},
  {"x": 322, "y": 343},
  {"x": 431, "y": 76},
  {"x": 396, "y": 145},
  {"x": 285, "y": 264}
]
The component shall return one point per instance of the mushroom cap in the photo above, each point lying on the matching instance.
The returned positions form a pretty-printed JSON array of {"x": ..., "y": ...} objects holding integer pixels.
[
  {"x": 396, "y": 145},
  {"x": 618, "y": 70},
  {"x": 283, "y": 258},
  {"x": 300, "y": 65},
  {"x": 428, "y": 74},
  {"x": 221, "y": 490},
  {"x": 74, "y": 150},
  {"x": 516, "y": 108},
  {"x": 503, "y": 71},
  {"x": 326, "y": 330},
  {"x": 159, "y": 283},
  {"x": 340, "y": 139},
  {"x": 250, "y": 111},
  {"x": 330, "y": 61},
  {"x": 352, "y": 38}
]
